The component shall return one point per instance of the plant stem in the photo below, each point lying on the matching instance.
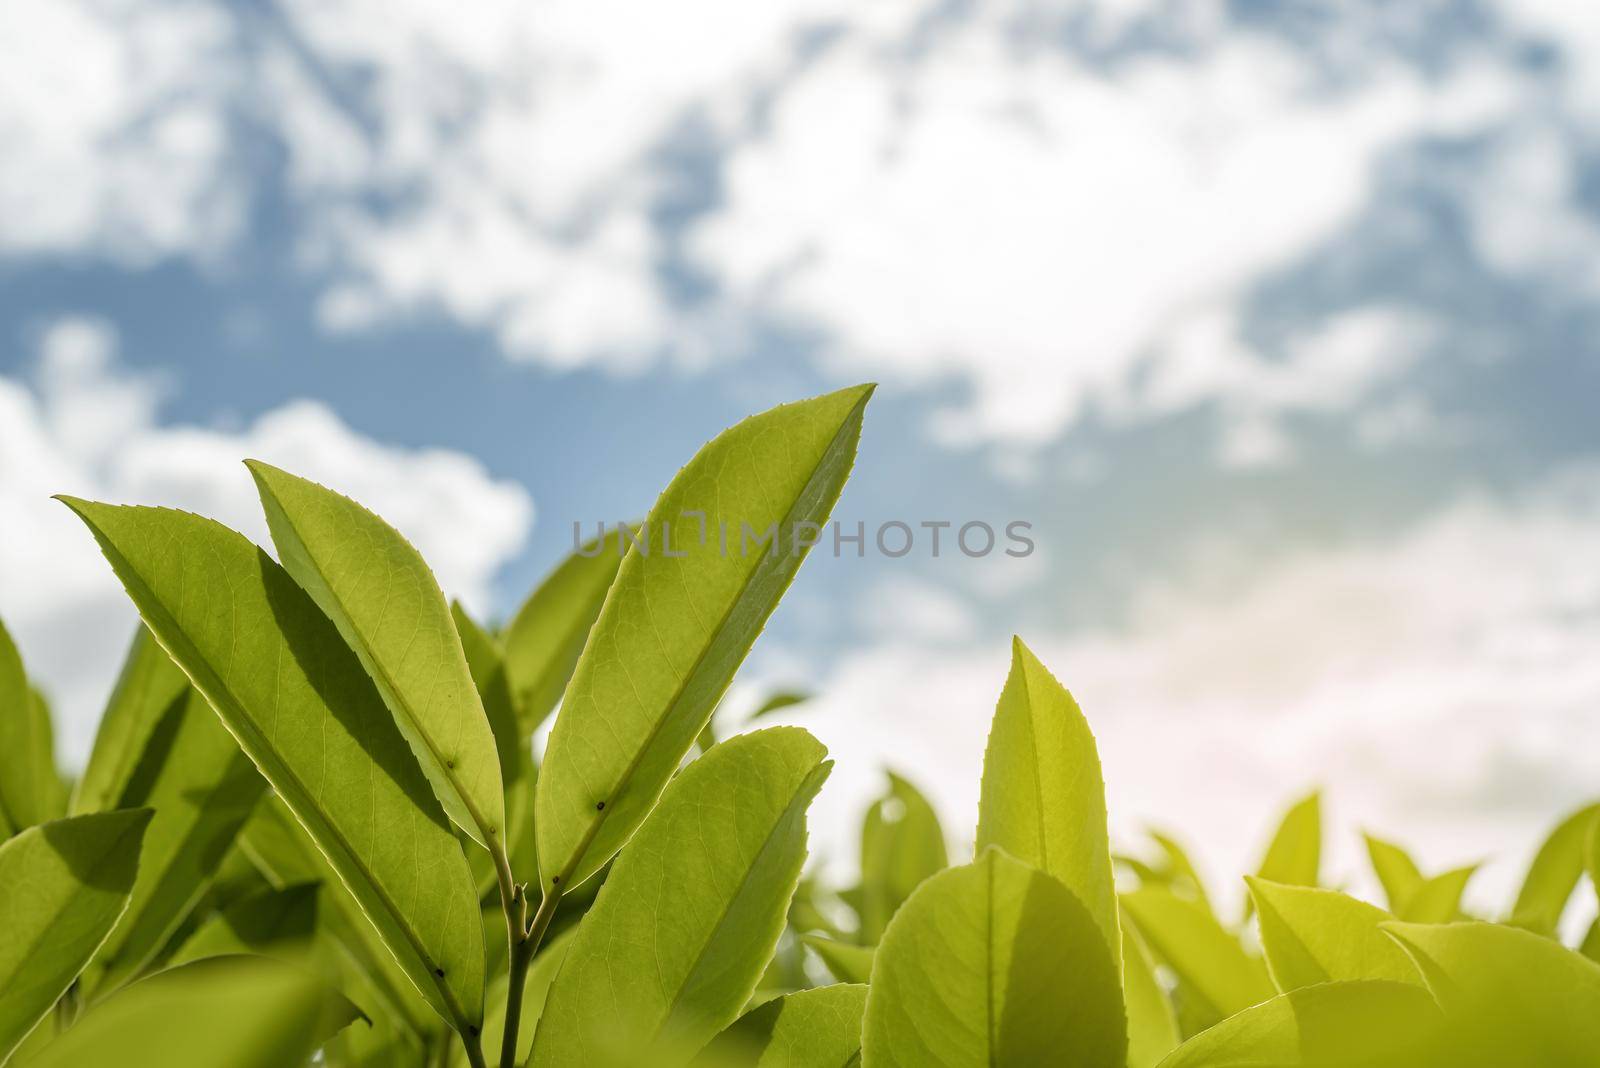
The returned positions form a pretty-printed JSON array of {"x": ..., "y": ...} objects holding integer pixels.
[{"x": 522, "y": 951}]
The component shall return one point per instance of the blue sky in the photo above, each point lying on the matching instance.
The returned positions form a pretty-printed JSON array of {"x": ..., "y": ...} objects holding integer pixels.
[{"x": 1276, "y": 320}]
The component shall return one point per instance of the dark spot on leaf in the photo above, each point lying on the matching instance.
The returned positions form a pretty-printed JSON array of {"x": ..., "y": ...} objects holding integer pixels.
[
  {"x": 439, "y": 972},
  {"x": 599, "y": 806}
]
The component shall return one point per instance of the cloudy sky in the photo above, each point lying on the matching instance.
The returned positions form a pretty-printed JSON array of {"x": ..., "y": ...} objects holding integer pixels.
[{"x": 1278, "y": 321}]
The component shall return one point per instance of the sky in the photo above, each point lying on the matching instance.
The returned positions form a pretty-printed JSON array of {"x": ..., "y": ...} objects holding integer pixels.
[{"x": 1277, "y": 322}]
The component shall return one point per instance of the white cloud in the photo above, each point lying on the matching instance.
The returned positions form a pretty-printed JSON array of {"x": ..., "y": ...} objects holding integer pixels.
[
  {"x": 1440, "y": 684},
  {"x": 83, "y": 426}
]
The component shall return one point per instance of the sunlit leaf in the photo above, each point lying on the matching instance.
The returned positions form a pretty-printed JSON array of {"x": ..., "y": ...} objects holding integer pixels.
[
  {"x": 818, "y": 1028},
  {"x": 30, "y": 786},
  {"x": 62, "y": 886},
  {"x": 270, "y": 923},
  {"x": 1554, "y": 873},
  {"x": 1185, "y": 936},
  {"x": 1395, "y": 870},
  {"x": 1437, "y": 899},
  {"x": 901, "y": 845},
  {"x": 1152, "y": 1024},
  {"x": 302, "y": 708},
  {"x": 777, "y": 702},
  {"x": 1180, "y": 869},
  {"x": 676, "y": 626},
  {"x": 383, "y": 597},
  {"x": 146, "y": 690},
  {"x": 1372, "y": 1024},
  {"x": 847, "y": 963},
  {"x": 690, "y": 913},
  {"x": 1044, "y": 798},
  {"x": 535, "y": 992},
  {"x": 993, "y": 963},
  {"x": 1314, "y": 936},
  {"x": 1294, "y": 856}
]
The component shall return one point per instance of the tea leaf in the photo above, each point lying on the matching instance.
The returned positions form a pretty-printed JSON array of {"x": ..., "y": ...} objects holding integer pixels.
[
  {"x": 1187, "y": 937},
  {"x": 1181, "y": 871},
  {"x": 1372, "y": 1024},
  {"x": 30, "y": 787},
  {"x": 993, "y": 963},
  {"x": 1554, "y": 873},
  {"x": 1438, "y": 899},
  {"x": 382, "y": 596},
  {"x": 847, "y": 963},
  {"x": 1395, "y": 870},
  {"x": 146, "y": 690},
  {"x": 1152, "y": 1024},
  {"x": 548, "y": 632},
  {"x": 779, "y": 701},
  {"x": 62, "y": 886},
  {"x": 269, "y": 923},
  {"x": 689, "y": 915},
  {"x": 1294, "y": 857},
  {"x": 243, "y": 1012},
  {"x": 1044, "y": 797},
  {"x": 1512, "y": 997},
  {"x": 674, "y": 628},
  {"x": 901, "y": 845},
  {"x": 818, "y": 1028},
  {"x": 1316, "y": 936},
  {"x": 300, "y": 705},
  {"x": 202, "y": 789}
]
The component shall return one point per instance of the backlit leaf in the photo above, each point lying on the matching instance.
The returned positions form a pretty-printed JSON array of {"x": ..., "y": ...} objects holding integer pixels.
[
  {"x": 1184, "y": 935},
  {"x": 818, "y": 1028},
  {"x": 146, "y": 690},
  {"x": 1294, "y": 856},
  {"x": 1554, "y": 873},
  {"x": 847, "y": 963},
  {"x": 30, "y": 786},
  {"x": 1437, "y": 899},
  {"x": 1152, "y": 1024},
  {"x": 901, "y": 845},
  {"x": 269, "y": 923},
  {"x": 1314, "y": 936},
  {"x": 676, "y": 626},
  {"x": 1395, "y": 870}
]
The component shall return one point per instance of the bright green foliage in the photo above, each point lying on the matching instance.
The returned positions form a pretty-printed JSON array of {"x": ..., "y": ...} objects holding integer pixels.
[
  {"x": 148, "y": 687},
  {"x": 548, "y": 633},
  {"x": 691, "y": 911},
  {"x": 993, "y": 963},
  {"x": 674, "y": 628},
  {"x": 1512, "y": 998},
  {"x": 901, "y": 845},
  {"x": 1152, "y": 1025},
  {"x": 1337, "y": 1025},
  {"x": 779, "y": 701},
  {"x": 1554, "y": 873},
  {"x": 242, "y": 1012},
  {"x": 535, "y": 992},
  {"x": 382, "y": 596},
  {"x": 268, "y": 923},
  {"x": 301, "y": 707},
  {"x": 1294, "y": 856},
  {"x": 30, "y": 787},
  {"x": 1316, "y": 936},
  {"x": 202, "y": 789},
  {"x": 818, "y": 1028},
  {"x": 1396, "y": 871},
  {"x": 1185, "y": 936},
  {"x": 1438, "y": 898},
  {"x": 847, "y": 963},
  {"x": 1044, "y": 797},
  {"x": 62, "y": 886}
]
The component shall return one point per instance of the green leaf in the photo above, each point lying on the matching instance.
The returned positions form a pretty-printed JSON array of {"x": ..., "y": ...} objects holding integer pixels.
[
  {"x": 30, "y": 787},
  {"x": 1181, "y": 872},
  {"x": 1294, "y": 857},
  {"x": 1438, "y": 899},
  {"x": 1188, "y": 939},
  {"x": 901, "y": 845},
  {"x": 1554, "y": 873},
  {"x": 202, "y": 789},
  {"x": 62, "y": 886},
  {"x": 1371, "y": 1024},
  {"x": 302, "y": 708},
  {"x": 243, "y": 1012},
  {"x": 674, "y": 628},
  {"x": 535, "y": 992},
  {"x": 847, "y": 963},
  {"x": 778, "y": 701},
  {"x": 818, "y": 1028},
  {"x": 1513, "y": 997},
  {"x": 269, "y": 923},
  {"x": 1395, "y": 870},
  {"x": 1044, "y": 796},
  {"x": 994, "y": 963},
  {"x": 382, "y": 596},
  {"x": 548, "y": 633},
  {"x": 1314, "y": 936},
  {"x": 148, "y": 687},
  {"x": 690, "y": 913},
  {"x": 1152, "y": 1024}
]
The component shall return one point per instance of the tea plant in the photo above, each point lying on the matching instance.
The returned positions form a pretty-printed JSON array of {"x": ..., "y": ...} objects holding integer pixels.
[{"x": 312, "y": 830}]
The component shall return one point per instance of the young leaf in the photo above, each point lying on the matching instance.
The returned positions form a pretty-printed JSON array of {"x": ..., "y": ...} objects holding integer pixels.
[
  {"x": 679, "y": 620},
  {"x": 1187, "y": 937},
  {"x": 1316, "y": 936},
  {"x": 382, "y": 596},
  {"x": 62, "y": 886},
  {"x": 1513, "y": 997},
  {"x": 779, "y": 701},
  {"x": 847, "y": 963},
  {"x": 1371, "y": 1024},
  {"x": 1152, "y": 1024},
  {"x": 1554, "y": 873},
  {"x": 690, "y": 913},
  {"x": 146, "y": 690},
  {"x": 994, "y": 963},
  {"x": 1396, "y": 871},
  {"x": 243, "y": 1012},
  {"x": 269, "y": 923},
  {"x": 1294, "y": 857},
  {"x": 901, "y": 845},
  {"x": 30, "y": 787},
  {"x": 276, "y": 672},
  {"x": 549, "y": 630},
  {"x": 1438, "y": 899},
  {"x": 818, "y": 1028},
  {"x": 1044, "y": 797},
  {"x": 202, "y": 789}
]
